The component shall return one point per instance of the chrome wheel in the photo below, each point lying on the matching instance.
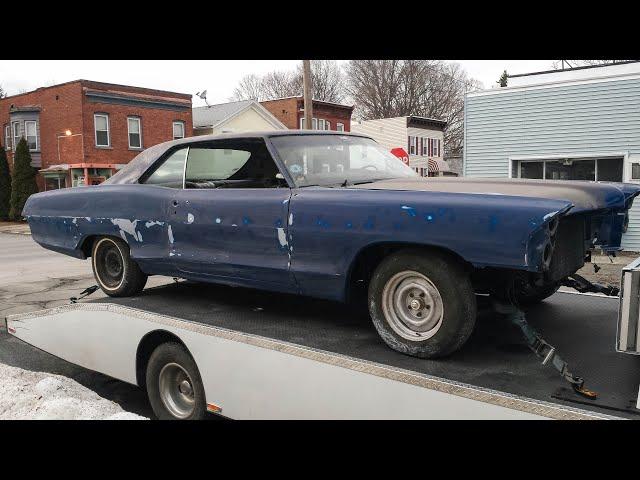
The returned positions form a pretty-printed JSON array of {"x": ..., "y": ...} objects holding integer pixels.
[
  {"x": 108, "y": 263},
  {"x": 412, "y": 306},
  {"x": 176, "y": 390}
]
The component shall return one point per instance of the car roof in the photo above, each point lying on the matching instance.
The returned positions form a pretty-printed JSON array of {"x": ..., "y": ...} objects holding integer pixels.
[{"x": 262, "y": 134}]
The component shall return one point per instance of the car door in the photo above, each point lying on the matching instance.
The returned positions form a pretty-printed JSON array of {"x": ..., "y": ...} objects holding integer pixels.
[{"x": 230, "y": 220}]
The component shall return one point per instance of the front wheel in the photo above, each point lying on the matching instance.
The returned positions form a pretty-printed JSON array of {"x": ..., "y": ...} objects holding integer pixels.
[
  {"x": 422, "y": 303},
  {"x": 116, "y": 273},
  {"x": 174, "y": 385}
]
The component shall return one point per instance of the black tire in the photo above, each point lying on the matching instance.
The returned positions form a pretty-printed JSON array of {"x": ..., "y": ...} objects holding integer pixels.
[
  {"x": 533, "y": 294},
  {"x": 457, "y": 304},
  {"x": 116, "y": 274},
  {"x": 167, "y": 355}
]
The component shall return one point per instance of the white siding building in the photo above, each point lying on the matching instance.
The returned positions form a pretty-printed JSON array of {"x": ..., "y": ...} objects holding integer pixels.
[
  {"x": 581, "y": 124},
  {"x": 234, "y": 117},
  {"x": 422, "y": 138}
]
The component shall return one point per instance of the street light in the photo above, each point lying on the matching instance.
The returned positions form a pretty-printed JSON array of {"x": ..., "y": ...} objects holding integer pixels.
[{"x": 68, "y": 133}]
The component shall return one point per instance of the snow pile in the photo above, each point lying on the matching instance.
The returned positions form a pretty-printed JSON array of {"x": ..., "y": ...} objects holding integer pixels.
[{"x": 42, "y": 396}]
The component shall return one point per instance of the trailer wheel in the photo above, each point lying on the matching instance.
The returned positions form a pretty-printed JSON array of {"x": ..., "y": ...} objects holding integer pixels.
[
  {"x": 174, "y": 385},
  {"x": 115, "y": 272},
  {"x": 422, "y": 303}
]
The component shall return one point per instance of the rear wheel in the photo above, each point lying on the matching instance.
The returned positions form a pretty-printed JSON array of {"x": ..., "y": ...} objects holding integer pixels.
[
  {"x": 174, "y": 385},
  {"x": 422, "y": 303},
  {"x": 115, "y": 272}
]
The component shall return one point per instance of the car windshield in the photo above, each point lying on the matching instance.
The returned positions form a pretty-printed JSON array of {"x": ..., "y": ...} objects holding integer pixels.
[{"x": 334, "y": 160}]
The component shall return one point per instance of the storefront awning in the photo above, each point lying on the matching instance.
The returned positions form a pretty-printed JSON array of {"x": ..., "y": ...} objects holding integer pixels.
[{"x": 437, "y": 165}]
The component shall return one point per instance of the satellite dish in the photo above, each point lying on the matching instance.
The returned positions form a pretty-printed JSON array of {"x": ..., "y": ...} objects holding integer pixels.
[{"x": 203, "y": 96}]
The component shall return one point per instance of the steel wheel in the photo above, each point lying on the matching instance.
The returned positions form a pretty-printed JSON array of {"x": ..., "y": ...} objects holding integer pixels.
[
  {"x": 176, "y": 390},
  {"x": 109, "y": 263},
  {"x": 412, "y": 305}
]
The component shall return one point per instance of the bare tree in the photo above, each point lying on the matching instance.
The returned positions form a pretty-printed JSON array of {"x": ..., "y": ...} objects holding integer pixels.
[
  {"x": 328, "y": 83},
  {"x": 428, "y": 88},
  {"x": 2, "y": 92}
]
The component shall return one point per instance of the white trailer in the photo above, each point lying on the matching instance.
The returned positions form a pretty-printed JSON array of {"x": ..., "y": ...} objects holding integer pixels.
[{"x": 259, "y": 355}]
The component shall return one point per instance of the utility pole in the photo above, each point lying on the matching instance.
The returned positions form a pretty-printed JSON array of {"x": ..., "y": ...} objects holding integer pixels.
[{"x": 308, "y": 100}]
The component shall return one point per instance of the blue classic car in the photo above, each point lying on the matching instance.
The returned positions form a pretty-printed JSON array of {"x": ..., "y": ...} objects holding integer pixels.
[{"x": 335, "y": 216}]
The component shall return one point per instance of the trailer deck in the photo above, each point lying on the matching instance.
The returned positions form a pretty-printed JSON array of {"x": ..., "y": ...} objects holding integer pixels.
[
  {"x": 582, "y": 327},
  {"x": 285, "y": 356}
]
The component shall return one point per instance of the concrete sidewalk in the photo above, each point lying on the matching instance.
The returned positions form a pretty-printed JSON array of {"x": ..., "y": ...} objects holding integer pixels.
[{"x": 17, "y": 228}]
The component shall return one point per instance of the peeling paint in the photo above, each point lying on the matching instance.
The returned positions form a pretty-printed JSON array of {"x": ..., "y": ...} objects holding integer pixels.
[
  {"x": 170, "y": 234},
  {"x": 291, "y": 219},
  {"x": 190, "y": 218},
  {"x": 152, "y": 223},
  {"x": 127, "y": 226},
  {"x": 410, "y": 210},
  {"x": 218, "y": 220},
  {"x": 282, "y": 237}
]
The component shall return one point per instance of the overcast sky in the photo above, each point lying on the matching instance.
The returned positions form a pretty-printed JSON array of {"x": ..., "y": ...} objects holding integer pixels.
[{"x": 218, "y": 77}]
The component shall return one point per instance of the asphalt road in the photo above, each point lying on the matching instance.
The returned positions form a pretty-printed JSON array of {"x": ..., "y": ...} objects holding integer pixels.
[{"x": 32, "y": 278}]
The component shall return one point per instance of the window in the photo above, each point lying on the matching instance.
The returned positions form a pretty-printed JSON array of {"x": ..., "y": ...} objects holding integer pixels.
[
  {"x": 135, "y": 132},
  {"x": 413, "y": 145},
  {"x": 31, "y": 134},
  {"x": 333, "y": 160},
  {"x": 101, "y": 124},
  {"x": 340, "y": 127},
  {"x": 7, "y": 137},
  {"x": 302, "y": 123},
  {"x": 327, "y": 125},
  {"x": 314, "y": 124},
  {"x": 609, "y": 169},
  {"x": 635, "y": 171},
  {"x": 170, "y": 173},
  {"x": 601, "y": 169},
  {"x": 425, "y": 146},
  {"x": 178, "y": 130},
  {"x": 321, "y": 124},
  {"x": 232, "y": 164},
  {"x": 531, "y": 170},
  {"x": 15, "y": 127}
]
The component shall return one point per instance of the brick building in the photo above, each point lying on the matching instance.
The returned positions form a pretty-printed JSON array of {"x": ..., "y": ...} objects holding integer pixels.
[
  {"x": 326, "y": 115},
  {"x": 81, "y": 132}
]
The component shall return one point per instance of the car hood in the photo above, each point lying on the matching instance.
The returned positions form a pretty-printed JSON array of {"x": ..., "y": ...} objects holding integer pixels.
[{"x": 583, "y": 195}]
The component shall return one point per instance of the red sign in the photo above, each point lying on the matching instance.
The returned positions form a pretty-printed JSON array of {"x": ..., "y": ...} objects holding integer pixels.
[{"x": 402, "y": 154}]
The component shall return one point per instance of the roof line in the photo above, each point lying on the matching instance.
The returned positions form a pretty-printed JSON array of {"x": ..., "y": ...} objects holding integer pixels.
[
  {"x": 82, "y": 81},
  {"x": 572, "y": 68}
]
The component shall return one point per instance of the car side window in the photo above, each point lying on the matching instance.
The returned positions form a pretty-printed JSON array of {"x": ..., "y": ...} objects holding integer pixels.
[
  {"x": 232, "y": 164},
  {"x": 171, "y": 172}
]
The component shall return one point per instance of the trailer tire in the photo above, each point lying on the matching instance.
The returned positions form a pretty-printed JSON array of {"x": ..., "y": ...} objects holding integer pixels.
[
  {"x": 170, "y": 366},
  {"x": 114, "y": 270},
  {"x": 422, "y": 303}
]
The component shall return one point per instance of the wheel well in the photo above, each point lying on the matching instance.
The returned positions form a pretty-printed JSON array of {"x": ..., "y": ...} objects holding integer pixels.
[
  {"x": 146, "y": 347},
  {"x": 87, "y": 243},
  {"x": 368, "y": 259}
]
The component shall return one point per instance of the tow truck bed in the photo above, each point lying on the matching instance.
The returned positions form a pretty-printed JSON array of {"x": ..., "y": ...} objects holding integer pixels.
[{"x": 495, "y": 367}]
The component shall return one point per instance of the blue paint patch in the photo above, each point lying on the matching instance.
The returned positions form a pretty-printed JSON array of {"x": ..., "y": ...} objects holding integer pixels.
[
  {"x": 246, "y": 221},
  {"x": 322, "y": 223},
  {"x": 369, "y": 224},
  {"x": 349, "y": 225},
  {"x": 493, "y": 223},
  {"x": 429, "y": 217},
  {"x": 410, "y": 210},
  {"x": 278, "y": 223}
]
